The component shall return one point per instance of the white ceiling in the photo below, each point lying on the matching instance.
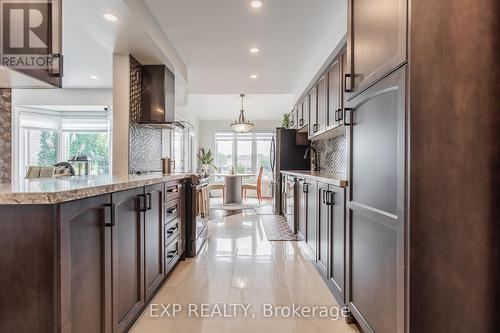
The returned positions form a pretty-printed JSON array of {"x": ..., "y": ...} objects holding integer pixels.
[
  {"x": 89, "y": 41},
  {"x": 213, "y": 38},
  {"x": 227, "y": 106}
]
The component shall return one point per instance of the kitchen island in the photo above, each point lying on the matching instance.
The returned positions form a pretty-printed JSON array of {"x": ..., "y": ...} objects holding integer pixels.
[{"x": 87, "y": 254}]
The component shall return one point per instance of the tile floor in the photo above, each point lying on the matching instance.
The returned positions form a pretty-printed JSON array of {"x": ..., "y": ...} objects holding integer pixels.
[{"x": 239, "y": 266}]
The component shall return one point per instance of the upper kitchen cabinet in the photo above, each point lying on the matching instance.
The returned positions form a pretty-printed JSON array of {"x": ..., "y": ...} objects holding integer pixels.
[
  {"x": 322, "y": 103},
  {"x": 313, "y": 111},
  {"x": 376, "y": 41},
  {"x": 293, "y": 118},
  {"x": 305, "y": 111},
  {"x": 334, "y": 110}
]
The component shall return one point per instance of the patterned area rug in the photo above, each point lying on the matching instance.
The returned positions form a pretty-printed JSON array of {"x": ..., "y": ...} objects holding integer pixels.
[{"x": 277, "y": 229}]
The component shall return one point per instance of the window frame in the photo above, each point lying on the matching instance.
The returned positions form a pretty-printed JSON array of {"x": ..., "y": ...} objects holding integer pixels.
[
  {"x": 56, "y": 120},
  {"x": 253, "y": 136}
]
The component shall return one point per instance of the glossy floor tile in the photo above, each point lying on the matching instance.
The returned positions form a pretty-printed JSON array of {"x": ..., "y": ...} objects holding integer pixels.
[{"x": 242, "y": 280}]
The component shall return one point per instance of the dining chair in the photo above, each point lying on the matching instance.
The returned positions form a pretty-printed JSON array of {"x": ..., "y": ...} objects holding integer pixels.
[
  {"x": 218, "y": 186},
  {"x": 254, "y": 187}
]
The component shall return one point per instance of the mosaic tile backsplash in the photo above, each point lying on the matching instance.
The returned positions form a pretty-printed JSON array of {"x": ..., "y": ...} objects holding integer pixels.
[
  {"x": 5, "y": 135},
  {"x": 145, "y": 150},
  {"x": 332, "y": 154}
]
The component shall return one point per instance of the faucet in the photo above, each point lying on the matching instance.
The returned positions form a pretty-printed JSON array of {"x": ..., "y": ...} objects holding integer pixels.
[{"x": 314, "y": 161}]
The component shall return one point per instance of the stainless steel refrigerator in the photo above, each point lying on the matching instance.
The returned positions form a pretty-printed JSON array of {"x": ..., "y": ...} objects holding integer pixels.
[{"x": 287, "y": 153}]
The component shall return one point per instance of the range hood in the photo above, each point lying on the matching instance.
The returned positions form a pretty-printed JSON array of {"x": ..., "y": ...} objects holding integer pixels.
[{"x": 158, "y": 97}]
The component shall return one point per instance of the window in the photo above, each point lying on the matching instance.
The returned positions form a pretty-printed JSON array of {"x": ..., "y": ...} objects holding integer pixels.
[
  {"x": 246, "y": 152},
  {"x": 50, "y": 137},
  {"x": 40, "y": 147},
  {"x": 224, "y": 152}
]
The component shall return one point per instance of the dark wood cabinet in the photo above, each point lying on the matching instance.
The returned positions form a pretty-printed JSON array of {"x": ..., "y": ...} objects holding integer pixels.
[
  {"x": 305, "y": 111},
  {"x": 302, "y": 209},
  {"x": 334, "y": 110},
  {"x": 154, "y": 257},
  {"x": 376, "y": 205},
  {"x": 311, "y": 228},
  {"x": 85, "y": 264},
  {"x": 335, "y": 200},
  {"x": 376, "y": 40},
  {"x": 293, "y": 118},
  {"x": 313, "y": 111},
  {"x": 128, "y": 257},
  {"x": 322, "y": 228},
  {"x": 322, "y": 104}
]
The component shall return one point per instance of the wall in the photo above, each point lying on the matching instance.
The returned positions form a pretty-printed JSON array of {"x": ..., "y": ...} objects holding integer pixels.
[
  {"x": 80, "y": 97},
  {"x": 5, "y": 135}
]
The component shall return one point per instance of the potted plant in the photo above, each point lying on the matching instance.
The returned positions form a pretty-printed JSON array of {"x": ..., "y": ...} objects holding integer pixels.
[
  {"x": 286, "y": 121},
  {"x": 207, "y": 160}
]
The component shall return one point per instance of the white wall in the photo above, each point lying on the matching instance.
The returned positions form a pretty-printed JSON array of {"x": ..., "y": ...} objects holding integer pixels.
[{"x": 75, "y": 97}]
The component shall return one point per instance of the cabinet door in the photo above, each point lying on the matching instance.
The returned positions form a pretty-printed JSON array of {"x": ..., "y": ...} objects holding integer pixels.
[
  {"x": 337, "y": 241},
  {"x": 322, "y": 232},
  {"x": 376, "y": 213},
  {"x": 313, "y": 111},
  {"x": 376, "y": 40},
  {"x": 128, "y": 257},
  {"x": 86, "y": 298},
  {"x": 302, "y": 209},
  {"x": 154, "y": 243},
  {"x": 334, "y": 95},
  {"x": 293, "y": 123},
  {"x": 305, "y": 110},
  {"x": 311, "y": 216},
  {"x": 322, "y": 103}
]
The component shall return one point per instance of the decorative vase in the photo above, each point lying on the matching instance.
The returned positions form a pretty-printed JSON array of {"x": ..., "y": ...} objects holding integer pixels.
[{"x": 206, "y": 168}]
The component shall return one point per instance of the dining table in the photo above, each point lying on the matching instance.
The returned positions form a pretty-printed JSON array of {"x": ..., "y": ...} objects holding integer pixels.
[{"x": 234, "y": 183}]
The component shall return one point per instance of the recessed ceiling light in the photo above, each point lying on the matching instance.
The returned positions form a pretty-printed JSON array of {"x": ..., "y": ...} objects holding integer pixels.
[
  {"x": 110, "y": 17},
  {"x": 254, "y": 50},
  {"x": 256, "y": 3},
  {"x": 94, "y": 77},
  {"x": 254, "y": 76}
]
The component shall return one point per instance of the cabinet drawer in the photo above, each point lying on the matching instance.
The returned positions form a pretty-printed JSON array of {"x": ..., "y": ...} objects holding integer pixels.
[
  {"x": 172, "y": 191},
  {"x": 172, "y": 255},
  {"x": 172, "y": 210},
  {"x": 171, "y": 231}
]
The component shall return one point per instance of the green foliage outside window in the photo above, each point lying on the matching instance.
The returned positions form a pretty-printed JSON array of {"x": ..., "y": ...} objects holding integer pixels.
[
  {"x": 94, "y": 146},
  {"x": 48, "y": 148}
]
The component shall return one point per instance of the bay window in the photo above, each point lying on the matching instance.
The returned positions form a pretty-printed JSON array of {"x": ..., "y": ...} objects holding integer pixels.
[{"x": 49, "y": 137}]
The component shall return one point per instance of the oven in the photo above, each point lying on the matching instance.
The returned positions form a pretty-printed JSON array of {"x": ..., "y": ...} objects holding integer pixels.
[{"x": 198, "y": 215}]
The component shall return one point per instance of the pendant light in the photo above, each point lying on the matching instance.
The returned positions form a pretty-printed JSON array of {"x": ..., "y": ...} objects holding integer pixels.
[{"x": 242, "y": 125}]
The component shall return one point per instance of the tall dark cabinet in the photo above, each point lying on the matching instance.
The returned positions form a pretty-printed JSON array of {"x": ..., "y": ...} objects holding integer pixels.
[{"x": 376, "y": 206}]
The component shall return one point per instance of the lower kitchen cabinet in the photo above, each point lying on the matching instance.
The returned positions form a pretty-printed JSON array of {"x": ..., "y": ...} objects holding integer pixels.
[
  {"x": 128, "y": 257},
  {"x": 335, "y": 199},
  {"x": 154, "y": 239},
  {"x": 376, "y": 205},
  {"x": 322, "y": 228},
  {"x": 311, "y": 238},
  {"x": 85, "y": 263},
  {"x": 302, "y": 209}
]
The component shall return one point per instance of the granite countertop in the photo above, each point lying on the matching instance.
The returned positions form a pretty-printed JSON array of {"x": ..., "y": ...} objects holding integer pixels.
[
  {"x": 56, "y": 190},
  {"x": 330, "y": 178}
]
